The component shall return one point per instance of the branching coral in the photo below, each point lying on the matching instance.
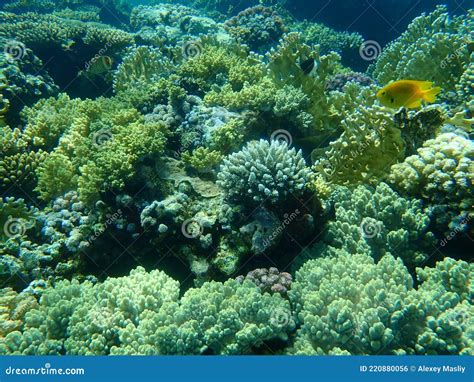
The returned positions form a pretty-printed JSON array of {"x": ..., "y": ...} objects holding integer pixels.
[
  {"x": 347, "y": 304},
  {"x": 380, "y": 221},
  {"x": 328, "y": 39},
  {"x": 101, "y": 143},
  {"x": 220, "y": 65},
  {"x": 140, "y": 314},
  {"x": 344, "y": 303},
  {"x": 263, "y": 172},
  {"x": 217, "y": 318},
  {"x": 258, "y": 27},
  {"x": 441, "y": 172},
  {"x": 434, "y": 48}
]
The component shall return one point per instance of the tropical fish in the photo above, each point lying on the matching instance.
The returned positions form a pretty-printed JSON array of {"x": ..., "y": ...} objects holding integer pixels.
[
  {"x": 99, "y": 65},
  {"x": 307, "y": 66},
  {"x": 407, "y": 93}
]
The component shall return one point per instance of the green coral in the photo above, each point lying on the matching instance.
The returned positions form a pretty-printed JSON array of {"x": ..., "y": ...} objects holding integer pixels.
[
  {"x": 345, "y": 301},
  {"x": 378, "y": 222},
  {"x": 217, "y": 318},
  {"x": 348, "y": 304},
  {"x": 102, "y": 143},
  {"x": 221, "y": 65},
  {"x": 328, "y": 39},
  {"x": 433, "y": 48},
  {"x": 202, "y": 159},
  {"x": 445, "y": 294},
  {"x": 441, "y": 172},
  {"x": 141, "y": 314},
  {"x": 370, "y": 143}
]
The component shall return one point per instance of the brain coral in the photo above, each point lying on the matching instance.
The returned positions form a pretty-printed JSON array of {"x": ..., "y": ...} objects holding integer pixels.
[{"x": 263, "y": 172}]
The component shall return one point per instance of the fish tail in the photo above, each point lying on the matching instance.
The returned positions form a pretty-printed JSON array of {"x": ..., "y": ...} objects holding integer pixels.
[{"x": 430, "y": 95}]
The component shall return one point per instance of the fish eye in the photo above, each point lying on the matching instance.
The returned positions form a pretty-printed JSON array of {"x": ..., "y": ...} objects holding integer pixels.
[
  {"x": 392, "y": 100},
  {"x": 384, "y": 93}
]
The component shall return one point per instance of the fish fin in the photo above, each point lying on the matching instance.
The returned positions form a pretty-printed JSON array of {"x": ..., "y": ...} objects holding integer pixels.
[
  {"x": 414, "y": 104},
  {"x": 425, "y": 85},
  {"x": 430, "y": 95}
]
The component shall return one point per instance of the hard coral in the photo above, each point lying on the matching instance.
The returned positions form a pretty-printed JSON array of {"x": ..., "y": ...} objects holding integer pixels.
[
  {"x": 258, "y": 27},
  {"x": 263, "y": 172}
]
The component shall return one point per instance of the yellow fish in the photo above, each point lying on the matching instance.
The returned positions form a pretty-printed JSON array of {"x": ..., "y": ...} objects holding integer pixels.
[{"x": 407, "y": 93}]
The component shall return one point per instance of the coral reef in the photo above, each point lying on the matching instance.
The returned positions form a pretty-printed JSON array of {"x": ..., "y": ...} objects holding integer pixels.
[{"x": 220, "y": 178}]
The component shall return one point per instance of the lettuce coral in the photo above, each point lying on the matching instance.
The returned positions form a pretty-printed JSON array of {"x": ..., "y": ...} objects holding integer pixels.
[{"x": 370, "y": 143}]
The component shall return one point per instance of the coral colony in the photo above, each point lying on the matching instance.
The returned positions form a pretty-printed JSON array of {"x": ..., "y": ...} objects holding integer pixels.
[{"x": 199, "y": 179}]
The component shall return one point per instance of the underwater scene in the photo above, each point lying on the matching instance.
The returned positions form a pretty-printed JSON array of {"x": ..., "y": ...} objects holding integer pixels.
[{"x": 236, "y": 177}]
